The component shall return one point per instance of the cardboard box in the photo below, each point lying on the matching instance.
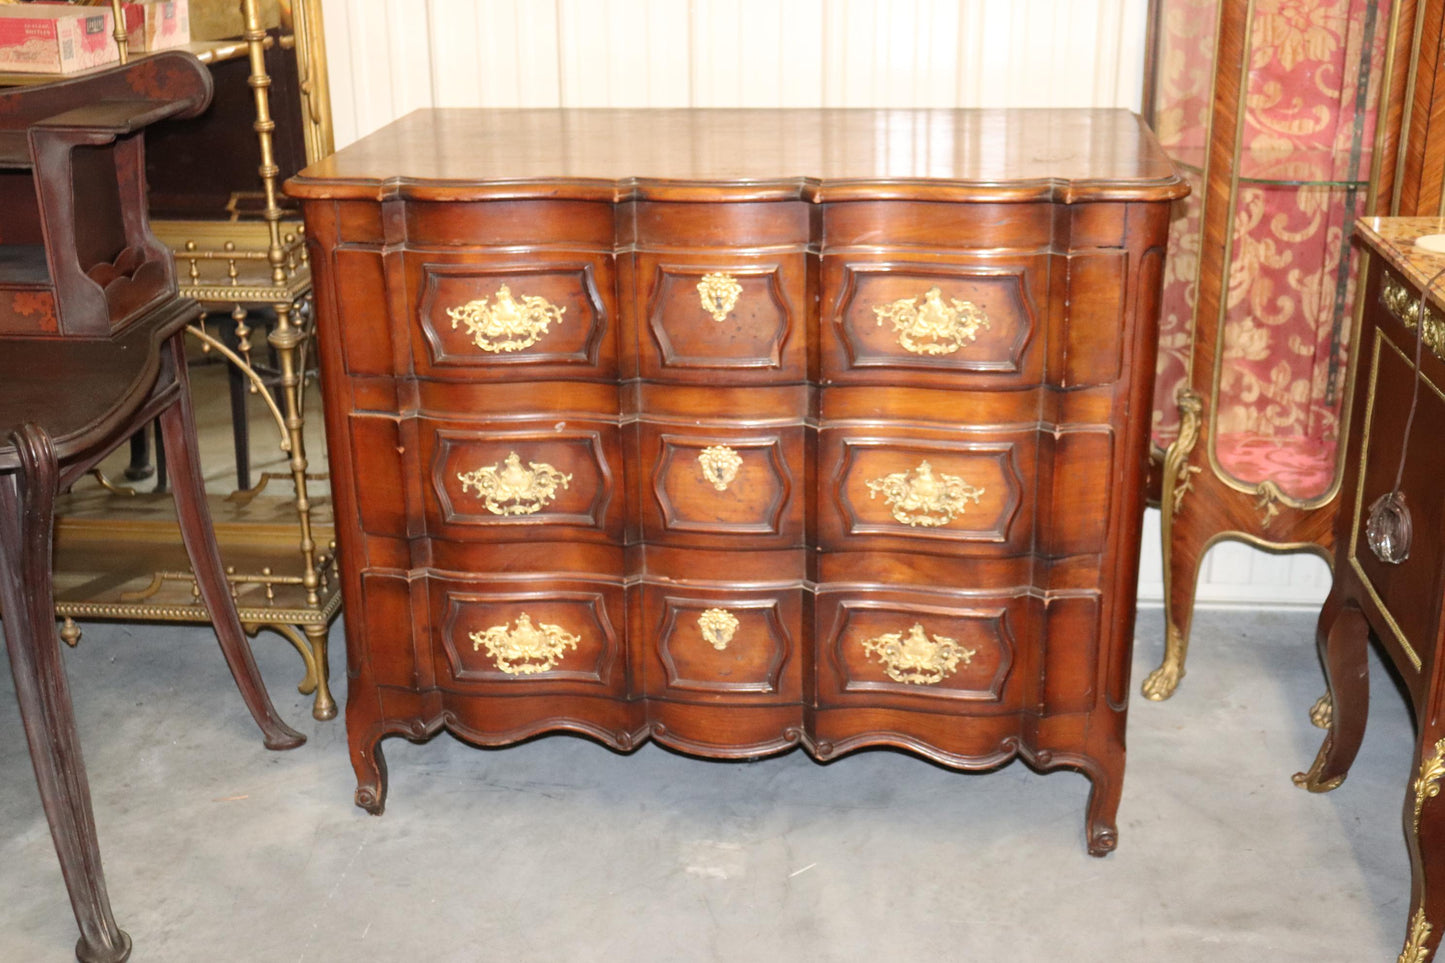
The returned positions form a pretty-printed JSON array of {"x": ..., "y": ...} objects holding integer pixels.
[
  {"x": 157, "y": 24},
  {"x": 55, "y": 38}
]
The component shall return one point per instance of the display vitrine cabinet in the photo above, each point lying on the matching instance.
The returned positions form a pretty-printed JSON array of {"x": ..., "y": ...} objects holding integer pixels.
[{"x": 1273, "y": 115}]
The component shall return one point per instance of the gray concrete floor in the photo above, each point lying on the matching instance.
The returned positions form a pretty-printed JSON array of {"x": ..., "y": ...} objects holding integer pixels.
[{"x": 561, "y": 850}]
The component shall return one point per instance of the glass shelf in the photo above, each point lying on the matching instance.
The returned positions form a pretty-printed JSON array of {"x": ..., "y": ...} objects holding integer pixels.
[{"x": 1288, "y": 167}]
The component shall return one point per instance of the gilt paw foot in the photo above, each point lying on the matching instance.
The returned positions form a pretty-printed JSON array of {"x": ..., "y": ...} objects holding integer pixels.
[{"x": 1162, "y": 682}]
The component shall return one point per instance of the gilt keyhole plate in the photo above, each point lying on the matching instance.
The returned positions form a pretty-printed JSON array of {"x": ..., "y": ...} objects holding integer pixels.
[
  {"x": 719, "y": 465},
  {"x": 718, "y": 293},
  {"x": 717, "y": 627}
]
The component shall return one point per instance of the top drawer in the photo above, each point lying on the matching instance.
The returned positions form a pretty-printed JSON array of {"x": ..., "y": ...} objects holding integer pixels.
[
  {"x": 907, "y": 317},
  {"x": 717, "y": 291},
  {"x": 529, "y": 318},
  {"x": 737, "y": 317}
]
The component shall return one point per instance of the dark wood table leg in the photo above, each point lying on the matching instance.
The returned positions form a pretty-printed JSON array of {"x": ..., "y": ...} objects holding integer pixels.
[
  {"x": 27, "y": 503},
  {"x": 140, "y": 466},
  {"x": 178, "y": 424},
  {"x": 1343, "y": 638},
  {"x": 239, "y": 387}
]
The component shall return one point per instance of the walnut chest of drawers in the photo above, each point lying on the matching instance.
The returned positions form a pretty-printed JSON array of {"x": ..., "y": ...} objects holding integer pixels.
[{"x": 743, "y": 430}]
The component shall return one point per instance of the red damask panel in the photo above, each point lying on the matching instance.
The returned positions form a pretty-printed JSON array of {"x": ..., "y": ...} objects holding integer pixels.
[{"x": 1311, "y": 96}]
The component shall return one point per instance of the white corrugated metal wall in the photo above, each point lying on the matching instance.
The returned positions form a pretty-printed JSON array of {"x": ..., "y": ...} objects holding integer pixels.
[{"x": 388, "y": 57}]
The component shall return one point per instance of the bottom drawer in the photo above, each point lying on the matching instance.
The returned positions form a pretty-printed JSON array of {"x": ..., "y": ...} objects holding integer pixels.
[
  {"x": 562, "y": 635},
  {"x": 923, "y": 650}
]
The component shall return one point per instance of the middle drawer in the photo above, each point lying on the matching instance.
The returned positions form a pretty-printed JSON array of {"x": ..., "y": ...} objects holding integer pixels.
[
  {"x": 510, "y": 481},
  {"x": 720, "y": 485}
]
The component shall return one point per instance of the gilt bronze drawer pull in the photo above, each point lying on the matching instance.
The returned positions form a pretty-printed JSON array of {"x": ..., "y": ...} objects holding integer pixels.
[
  {"x": 717, "y": 627},
  {"x": 933, "y": 327},
  {"x": 916, "y": 658},
  {"x": 718, "y": 293},
  {"x": 922, "y": 499},
  {"x": 525, "y": 648},
  {"x": 510, "y": 489},
  {"x": 504, "y": 324},
  {"x": 720, "y": 465}
]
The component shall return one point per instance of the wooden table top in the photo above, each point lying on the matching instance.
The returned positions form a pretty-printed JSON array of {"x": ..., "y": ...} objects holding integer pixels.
[{"x": 722, "y": 154}]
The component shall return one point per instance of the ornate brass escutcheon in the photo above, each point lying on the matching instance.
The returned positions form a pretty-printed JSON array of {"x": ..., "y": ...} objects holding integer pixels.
[
  {"x": 717, "y": 627},
  {"x": 718, "y": 293},
  {"x": 922, "y": 499},
  {"x": 720, "y": 465},
  {"x": 525, "y": 648},
  {"x": 503, "y": 324},
  {"x": 917, "y": 658},
  {"x": 510, "y": 489},
  {"x": 933, "y": 328}
]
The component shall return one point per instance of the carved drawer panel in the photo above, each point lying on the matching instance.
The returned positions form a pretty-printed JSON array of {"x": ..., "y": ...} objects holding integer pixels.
[
  {"x": 699, "y": 318},
  {"x": 712, "y": 645},
  {"x": 517, "y": 320},
  {"x": 984, "y": 492},
  {"x": 957, "y": 490},
  {"x": 715, "y": 485},
  {"x": 560, "y": 480},
  {"x": 934, "y": 321},
  {"x": 529, "y": 635},
  {"x": 920, "y": 650}
]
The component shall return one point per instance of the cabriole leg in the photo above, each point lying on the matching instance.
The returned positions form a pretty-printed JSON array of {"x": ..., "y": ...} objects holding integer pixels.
[{"x": 1343, "y": 637}]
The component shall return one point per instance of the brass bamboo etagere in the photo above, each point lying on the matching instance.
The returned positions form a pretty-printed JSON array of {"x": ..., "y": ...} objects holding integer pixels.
[{"x": 117, "y": 554}]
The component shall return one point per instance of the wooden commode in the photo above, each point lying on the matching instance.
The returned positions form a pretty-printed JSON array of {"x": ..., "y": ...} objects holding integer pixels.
[{"x": 743, "y": 430}]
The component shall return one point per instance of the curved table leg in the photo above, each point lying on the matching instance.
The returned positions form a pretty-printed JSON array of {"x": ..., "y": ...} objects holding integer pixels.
[
  {"x": 1183, "y": 549},
  {"x": 369, "y": 764},
  {"x": 27, "y": 504},
  {"x": 178, "y": 423},
  {"x": 1343, "y": 638},
  {"x": 1425, "y": 832}
]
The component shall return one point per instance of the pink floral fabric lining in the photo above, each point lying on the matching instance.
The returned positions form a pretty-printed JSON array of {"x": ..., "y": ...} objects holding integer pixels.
[{"x": 1304, "y": 158}]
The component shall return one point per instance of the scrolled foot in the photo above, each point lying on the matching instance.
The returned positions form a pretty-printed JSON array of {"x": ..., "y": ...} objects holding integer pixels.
[
  {"x": 1103, "y": 840},
  {"x": 105, "y": 952},
  {"x": 371, "y": 799},
  {"x": 1162, "y": 682},
  {"x": 370, "y": 767}
]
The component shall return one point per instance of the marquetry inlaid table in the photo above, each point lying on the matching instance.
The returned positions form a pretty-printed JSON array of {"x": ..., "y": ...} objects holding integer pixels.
[
  {"x": 743, "y": 430},
  {"x": 1390, "y": 544}
]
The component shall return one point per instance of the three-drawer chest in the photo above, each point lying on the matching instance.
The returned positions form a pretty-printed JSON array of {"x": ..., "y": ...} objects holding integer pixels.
[{"x": 743, "y": 430}]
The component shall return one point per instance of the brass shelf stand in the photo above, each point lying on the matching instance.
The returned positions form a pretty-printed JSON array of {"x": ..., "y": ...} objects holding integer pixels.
[{"x": 117, "y": 551}]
